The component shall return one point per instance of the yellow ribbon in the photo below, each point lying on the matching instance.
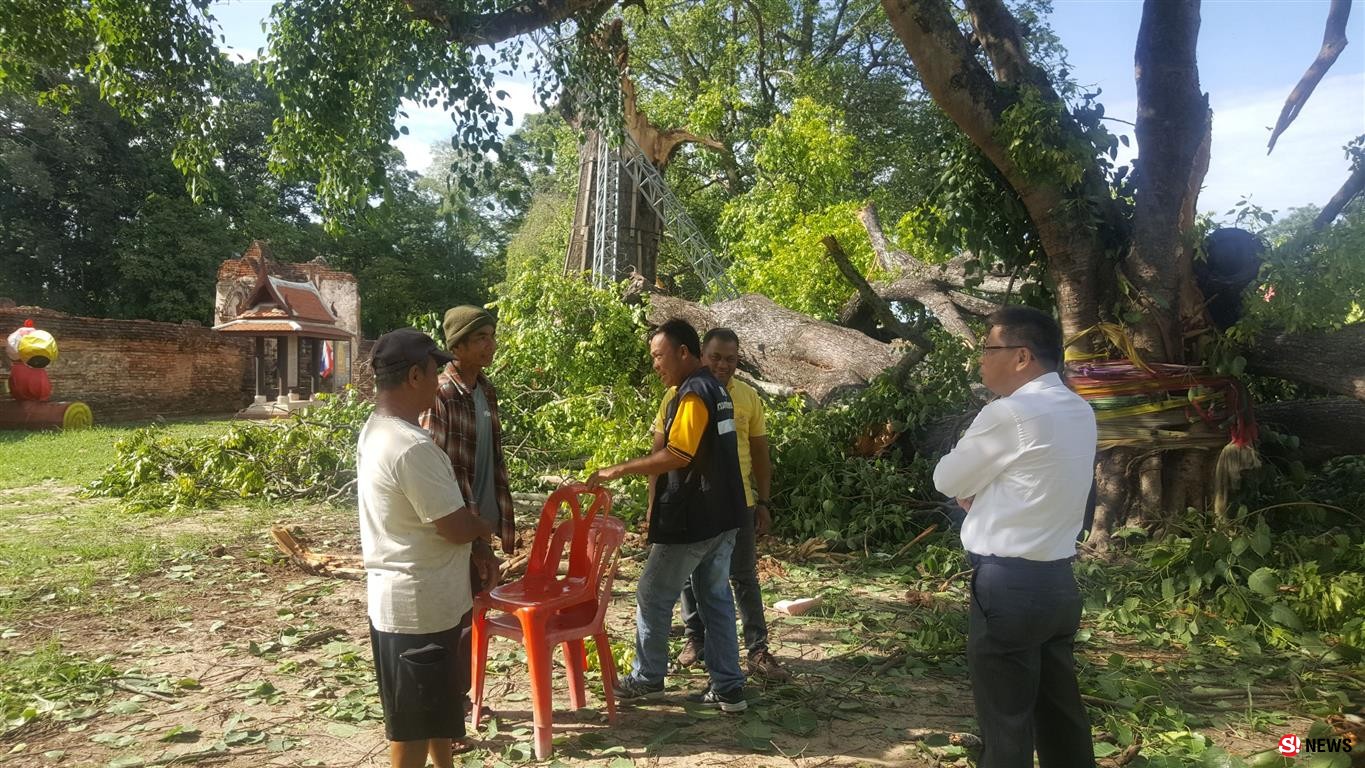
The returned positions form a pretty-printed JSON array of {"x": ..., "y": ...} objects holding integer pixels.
[{"x": 1117, "y": 338}]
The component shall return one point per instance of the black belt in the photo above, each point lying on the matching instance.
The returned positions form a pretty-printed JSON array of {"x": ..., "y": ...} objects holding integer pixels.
[{"x": 976, "y": 561}]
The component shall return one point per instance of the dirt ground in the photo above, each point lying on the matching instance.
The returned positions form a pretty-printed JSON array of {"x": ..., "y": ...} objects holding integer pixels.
[{"x": 235, "y": 657}]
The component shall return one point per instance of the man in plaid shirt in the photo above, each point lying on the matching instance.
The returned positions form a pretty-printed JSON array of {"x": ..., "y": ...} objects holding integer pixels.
[{"x": 464, "y": 423}]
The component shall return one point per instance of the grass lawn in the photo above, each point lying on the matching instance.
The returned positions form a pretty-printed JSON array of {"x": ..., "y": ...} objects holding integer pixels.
[
  {"x": 74, "y": 457},
  {"x": 57, "y": 544}
]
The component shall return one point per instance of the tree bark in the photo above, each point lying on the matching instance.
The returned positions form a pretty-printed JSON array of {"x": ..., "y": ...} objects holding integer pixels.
[
  {"x": 869, "y": 296},
  {"x": 1065, "y": 218},
  {"x": 1326, "y": 427},
  {"x": 474, "y": 29},
  {"x": 1330, "y": 360},
  {"x": 1333, "y": 43},
  {"x": 778, "y": 345},
  {"x": 1172, "y": 121}
]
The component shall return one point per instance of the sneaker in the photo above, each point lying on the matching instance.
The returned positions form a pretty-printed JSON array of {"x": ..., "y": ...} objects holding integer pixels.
[
  {"x": 629, "y": 688},
  {"x": 691, "y": 654},
  {"x": 728, "y": 701},
  {"x": 765, "y": 665}
]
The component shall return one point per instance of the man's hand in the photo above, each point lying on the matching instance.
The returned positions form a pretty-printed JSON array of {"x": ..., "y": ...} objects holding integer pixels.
[
  {"x": 486, "y": 564},
  {"x": 966, "y": 503},
  {"x": 763, "y": 520},
  {"x": 596, "y": 479}
]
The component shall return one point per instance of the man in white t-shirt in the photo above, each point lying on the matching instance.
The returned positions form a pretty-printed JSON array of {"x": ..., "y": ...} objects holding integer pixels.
[
  {"x": 415, "y": 533},
  {"x": 1023, "y": 472}
]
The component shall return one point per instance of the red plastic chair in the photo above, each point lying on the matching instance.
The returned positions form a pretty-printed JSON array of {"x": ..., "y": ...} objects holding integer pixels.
[{"x": 542, "y": 608}]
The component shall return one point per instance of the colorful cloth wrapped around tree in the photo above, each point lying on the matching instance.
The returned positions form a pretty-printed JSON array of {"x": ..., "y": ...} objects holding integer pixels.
[{"x": 1165, "y": 406}]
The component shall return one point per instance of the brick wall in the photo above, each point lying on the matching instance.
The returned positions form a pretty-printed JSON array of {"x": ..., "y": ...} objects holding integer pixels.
[{"x": 133, "y": 370}]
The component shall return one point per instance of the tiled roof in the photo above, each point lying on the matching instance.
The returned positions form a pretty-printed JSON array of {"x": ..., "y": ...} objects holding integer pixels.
[
  {"x": 282, "y": 307},
  {"x": 303, "y": 301},
  {"x": 262, "y": 327}
]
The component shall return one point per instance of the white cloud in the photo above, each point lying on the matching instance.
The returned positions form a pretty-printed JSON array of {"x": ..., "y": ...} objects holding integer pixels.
[{"x": 1307, "y": 166}]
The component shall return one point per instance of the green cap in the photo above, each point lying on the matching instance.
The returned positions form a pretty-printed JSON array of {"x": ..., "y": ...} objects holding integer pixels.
[{"x": 464, "y": 320}]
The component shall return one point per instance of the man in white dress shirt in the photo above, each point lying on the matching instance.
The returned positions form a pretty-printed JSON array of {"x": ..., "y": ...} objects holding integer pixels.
[{"x": 1023, "y": 472}]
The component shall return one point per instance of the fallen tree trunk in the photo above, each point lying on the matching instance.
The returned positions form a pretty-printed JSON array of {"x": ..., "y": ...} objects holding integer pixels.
[
  {"x": 1330, "y": 360},
  {"x": 1326, "y": 427},
  {"x": 818, "y": 359}
]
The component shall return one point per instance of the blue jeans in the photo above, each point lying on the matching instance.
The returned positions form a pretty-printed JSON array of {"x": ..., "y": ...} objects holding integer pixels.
[
  {"x": 748, "y": 595},
  {"x": 666, "y": 570}
]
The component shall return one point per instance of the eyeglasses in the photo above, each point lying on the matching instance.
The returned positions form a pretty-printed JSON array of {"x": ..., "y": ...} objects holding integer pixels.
[{"x": 986, "y": 347}]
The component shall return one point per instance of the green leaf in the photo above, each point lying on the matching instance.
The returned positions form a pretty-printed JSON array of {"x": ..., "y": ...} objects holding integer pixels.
[
  {"x": 1271, "y": 758},
  {"x": 799, "y": 721},
  {"x": 342, "y": 730},
  {"x": 125, "y": 708},
  {"x": 1264, "y": 581},
  {"x": 1260, "y": 539},
  {"x": 662, "y": 738},
  {"x": 1324, "y": 760},
  {"x": 1217, "y": 757},
  {"x": 180, "y": 733},
  {"x": 1321, "y": 729},
  {"x": 1105, "y": 749},
  {"x": 1283, "y": 614}
]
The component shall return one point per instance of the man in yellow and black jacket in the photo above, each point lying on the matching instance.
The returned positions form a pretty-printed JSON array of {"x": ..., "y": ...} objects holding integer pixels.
[{"x": 697, "y": 507}]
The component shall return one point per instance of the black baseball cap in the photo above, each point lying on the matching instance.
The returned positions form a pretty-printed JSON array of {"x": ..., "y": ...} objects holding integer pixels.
[{"x": 405, "y": 347}]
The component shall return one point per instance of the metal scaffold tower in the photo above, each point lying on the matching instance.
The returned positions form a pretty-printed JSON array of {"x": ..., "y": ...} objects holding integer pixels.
[{"x": 625, "y": 207}]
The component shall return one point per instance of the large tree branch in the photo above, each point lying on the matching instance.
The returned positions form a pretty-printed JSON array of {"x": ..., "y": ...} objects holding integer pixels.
[
  {"x": 1064, "y": 217},
  {"x": 918, "y": 282},
  {"x": 950, "y": 71},
  {"x": 954, "y": 273},
  {"x": 896, "y": 261},
  {"x": 474, "y": 29},
  {"x": 999, "y": 33},
  {"x": 880, "y": 308},
  {"x": 1353, "y": 186},
  {"x": 1327, "y": 427},
  {"x": 1330, "y": 360},
  {"x": 888, "y": 258},
  {"x": 778, "y": 345},
  {"x": 1333, "y": 43}
]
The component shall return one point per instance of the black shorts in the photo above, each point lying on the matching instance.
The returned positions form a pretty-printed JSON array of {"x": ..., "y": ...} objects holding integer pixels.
[{"x": 419, "y": 684}]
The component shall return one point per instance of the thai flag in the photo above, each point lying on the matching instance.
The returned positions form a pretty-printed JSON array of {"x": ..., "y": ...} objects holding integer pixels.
[{"x": 328, "y": 360}]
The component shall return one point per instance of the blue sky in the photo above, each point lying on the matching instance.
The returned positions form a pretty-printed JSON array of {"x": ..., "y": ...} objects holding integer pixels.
[{"x": 1251, "y": 53}]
